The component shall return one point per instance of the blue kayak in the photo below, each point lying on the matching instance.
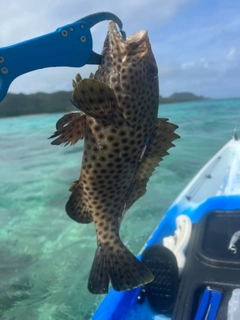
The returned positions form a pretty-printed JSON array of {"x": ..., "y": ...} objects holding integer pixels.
[{"x": 208, "y": 210}]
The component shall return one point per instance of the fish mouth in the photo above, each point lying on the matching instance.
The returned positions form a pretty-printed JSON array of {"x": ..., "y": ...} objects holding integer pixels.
[
  {"x": 138, "y": 37},
  {"x": 112, "y": 30},
  {"x": 136, "y": 45}
]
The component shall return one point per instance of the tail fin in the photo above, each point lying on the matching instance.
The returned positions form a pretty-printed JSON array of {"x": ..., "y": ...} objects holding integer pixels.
[{"x": 118, "y": 265}]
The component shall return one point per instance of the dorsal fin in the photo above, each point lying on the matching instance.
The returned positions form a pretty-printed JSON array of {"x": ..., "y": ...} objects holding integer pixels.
[{"x": 159, "y": 142}]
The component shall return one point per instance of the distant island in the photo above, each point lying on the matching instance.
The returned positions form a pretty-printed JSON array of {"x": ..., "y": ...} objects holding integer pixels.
[
  {"x": 22, "y": 104},
  {"x": 181, "y": 97}
]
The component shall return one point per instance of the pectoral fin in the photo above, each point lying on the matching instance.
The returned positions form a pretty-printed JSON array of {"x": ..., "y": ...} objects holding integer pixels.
[
  {"x": 159, "y": 142},
  {"x": 94, "y": 98},
  {"x": 70, "y": 129},
  {"x": 67, "y": 118}
]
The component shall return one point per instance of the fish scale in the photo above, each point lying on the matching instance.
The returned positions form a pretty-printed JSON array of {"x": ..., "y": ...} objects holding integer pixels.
[{"x": 123, "y": 143}]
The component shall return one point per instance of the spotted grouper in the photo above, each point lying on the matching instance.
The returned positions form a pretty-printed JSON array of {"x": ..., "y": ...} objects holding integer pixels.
[{"x": 123, "y": 143}]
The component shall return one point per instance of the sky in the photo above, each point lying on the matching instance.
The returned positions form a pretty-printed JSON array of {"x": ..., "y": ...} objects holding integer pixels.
[{"x": 196, "y": 43}]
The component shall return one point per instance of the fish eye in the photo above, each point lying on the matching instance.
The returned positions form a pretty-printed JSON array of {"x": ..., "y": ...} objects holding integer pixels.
[{"x": 152, "y": 69}]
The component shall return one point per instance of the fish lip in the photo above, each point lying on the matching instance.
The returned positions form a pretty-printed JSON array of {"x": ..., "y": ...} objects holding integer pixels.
[
  {"x": 136, "y": 44},
  {"x": 112, "y": 29},
  {"x": 138, "y": 37}
]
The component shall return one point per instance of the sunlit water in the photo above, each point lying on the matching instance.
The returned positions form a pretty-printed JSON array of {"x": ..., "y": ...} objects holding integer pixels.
[{"x": 45, "y": 257}]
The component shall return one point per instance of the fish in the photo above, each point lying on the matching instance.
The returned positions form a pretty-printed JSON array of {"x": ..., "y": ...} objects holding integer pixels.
[{"x": 124, "y": 140}]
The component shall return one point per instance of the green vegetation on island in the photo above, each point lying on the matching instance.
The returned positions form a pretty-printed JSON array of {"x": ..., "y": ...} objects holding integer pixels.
[
  {"x": 181, "y": 97},
  {"x": 22, "y": 104}
]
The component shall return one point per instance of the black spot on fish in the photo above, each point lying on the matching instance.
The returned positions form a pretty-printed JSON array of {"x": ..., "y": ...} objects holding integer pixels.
[
  {"x": 116, "y": 150},
  {"x": 110, "y": 138},
  {"x": 104, "y": 147},
  {"x": 101, "y": 136},
  {"x": 120, "y": 123},
  {"x": 139, "y": 128},
  {"x": 98, "y": 164},
  {"x": 113, "y": 130},
  {"x": 134, "y": 119},
  {"x": 97, "y": 128},
  {"x": 122, "y": 133},
  {"x": 125, "y": 140},
  {"x": 102, "y": 158},
  {"x": 125, "y": 154},
  {"x": 132, "y": 142},
  {"x": 116, "y": 144},
  {"x": 106, "y": 228},
  {"x": 111, "y": 155}
]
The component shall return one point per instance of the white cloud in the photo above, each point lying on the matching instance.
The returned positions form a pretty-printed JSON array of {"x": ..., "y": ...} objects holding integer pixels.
[
  {"x": 204, "y": 63},
  {"x": 231, "y": 54},
  {"x": 187, "y": 65}
]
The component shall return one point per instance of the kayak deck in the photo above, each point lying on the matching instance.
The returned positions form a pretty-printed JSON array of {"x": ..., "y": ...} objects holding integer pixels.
[
  {"x": 210, "y": 265},
  {"x": 124, "y": 305}
]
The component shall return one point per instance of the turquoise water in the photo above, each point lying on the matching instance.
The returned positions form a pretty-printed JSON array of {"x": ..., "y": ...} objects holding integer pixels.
[{"x": 45, "y": 257}]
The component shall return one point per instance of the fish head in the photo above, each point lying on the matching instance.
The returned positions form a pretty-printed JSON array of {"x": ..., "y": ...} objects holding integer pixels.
[{"x": 128, "y": 65}]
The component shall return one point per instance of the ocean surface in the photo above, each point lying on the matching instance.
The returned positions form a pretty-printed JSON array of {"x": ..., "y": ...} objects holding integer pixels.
[{"x": 45, "y": 257}]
